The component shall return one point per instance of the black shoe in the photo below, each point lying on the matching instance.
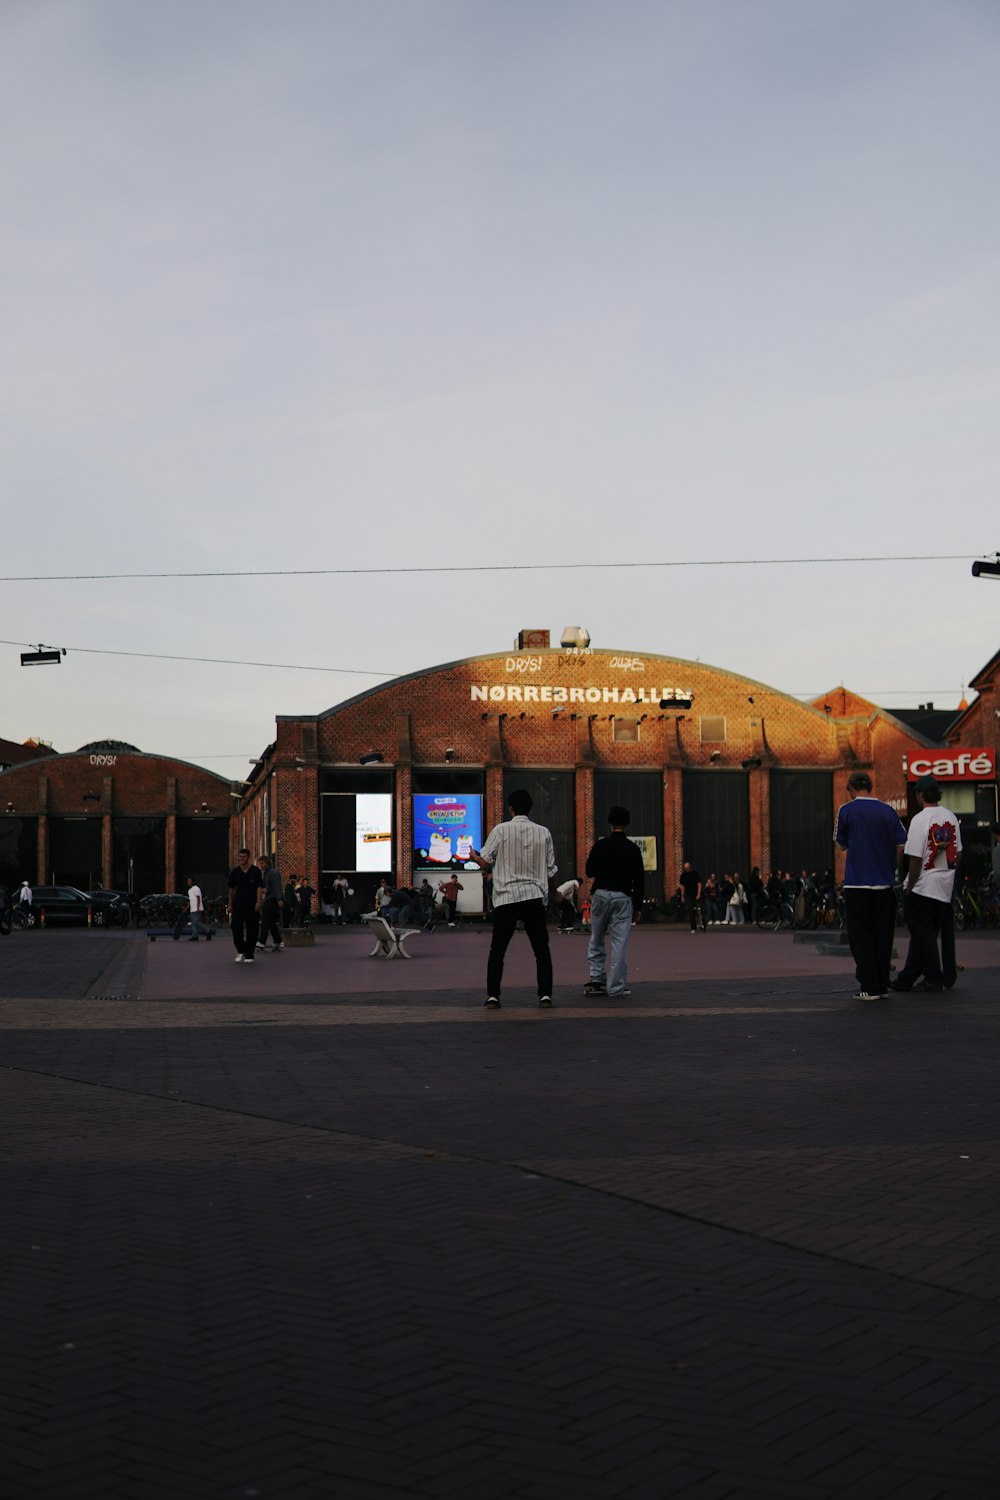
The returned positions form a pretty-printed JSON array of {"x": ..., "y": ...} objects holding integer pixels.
[
  {"x": 926, "y": 988},
  {"x": 545, "y": 1002},
  {"x": 595, "y": 988},
  {"x": 492, "y": 1003},
  {"x": 901, "y": 989}
]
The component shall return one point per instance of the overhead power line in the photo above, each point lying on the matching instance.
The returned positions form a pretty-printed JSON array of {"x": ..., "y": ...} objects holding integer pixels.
[
  {"x": 293, "y": 666},
  {"x": 546, "y": 567},
  {"x": 220, "y": 661}
]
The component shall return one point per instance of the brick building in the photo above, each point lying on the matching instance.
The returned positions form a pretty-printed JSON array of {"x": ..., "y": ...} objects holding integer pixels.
[
  {"x": 108, "y": 815},
  {"x": 715, "y": 767}
]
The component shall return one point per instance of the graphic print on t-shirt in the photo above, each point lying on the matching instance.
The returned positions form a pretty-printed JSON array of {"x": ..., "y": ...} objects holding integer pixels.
[{"x": 940, "y": 840}]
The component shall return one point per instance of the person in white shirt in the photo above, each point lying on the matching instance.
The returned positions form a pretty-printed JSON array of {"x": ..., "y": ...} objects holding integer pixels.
[
  {"x": 568, "y": 895},
  {"x": 24, "y": 895},
  {"x": 196, "y": 911},
  {"x": 522, "y": 857},
  {"x": 934, "y": 851}
]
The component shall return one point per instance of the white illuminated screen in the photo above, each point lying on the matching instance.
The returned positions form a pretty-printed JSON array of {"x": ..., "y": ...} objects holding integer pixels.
[{"x": 373, "y": 831}]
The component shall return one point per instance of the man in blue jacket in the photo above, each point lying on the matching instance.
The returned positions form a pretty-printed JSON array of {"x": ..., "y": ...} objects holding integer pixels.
[{"x": 874, "y": 838}]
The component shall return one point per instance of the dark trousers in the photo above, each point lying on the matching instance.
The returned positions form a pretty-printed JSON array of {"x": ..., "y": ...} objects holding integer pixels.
[
  {"x": 925, "y": 918},
  {"x": 245, "y": 926},
  {"x": 871, "y": 923},
  {"x": 505, "y": 920},
  {"x": 691, "y": 907},
  {"x": 269, "y": 923}
]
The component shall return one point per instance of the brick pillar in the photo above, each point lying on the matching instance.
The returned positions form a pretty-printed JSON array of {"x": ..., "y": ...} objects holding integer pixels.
[
  {"x": 170, "y": 852},
  {"x": 495, "y": 806},
  {"x": 43, "y": 831},
  {"x": 107, "y": 835},
  {"x": 309, "y": 793},
  {"x": 404, "y": 823},
  {"x": 673, "y": 827},
  {"x": 584, "y": 816},
  {"x": 759, "y": 797}
]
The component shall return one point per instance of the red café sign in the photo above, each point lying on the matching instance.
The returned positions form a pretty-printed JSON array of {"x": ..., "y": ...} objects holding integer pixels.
[{"x": 953, "y": 765}]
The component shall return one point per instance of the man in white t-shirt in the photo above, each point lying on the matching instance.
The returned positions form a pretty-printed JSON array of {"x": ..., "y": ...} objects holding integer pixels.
[
  {"x": 196, "y": 909},
  {"x": 566, "y": 905},
  {"x": 934, "y": 851}
]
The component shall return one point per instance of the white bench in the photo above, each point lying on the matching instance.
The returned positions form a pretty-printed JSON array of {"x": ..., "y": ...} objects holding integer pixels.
[{"x": 388, "y": 940}]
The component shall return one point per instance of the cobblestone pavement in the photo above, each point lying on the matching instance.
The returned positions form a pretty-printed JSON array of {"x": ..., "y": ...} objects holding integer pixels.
[{"x": 331, "y": 1229}]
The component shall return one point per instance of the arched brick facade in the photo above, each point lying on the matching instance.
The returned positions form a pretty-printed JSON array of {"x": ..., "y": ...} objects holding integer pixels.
[
  {"x": 590, "y": 714},
  {"x": 117, "y": 801}
]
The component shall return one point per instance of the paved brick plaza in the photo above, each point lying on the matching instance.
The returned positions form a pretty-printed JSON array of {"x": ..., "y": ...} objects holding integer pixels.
[{"x": 324, "y": 1227}]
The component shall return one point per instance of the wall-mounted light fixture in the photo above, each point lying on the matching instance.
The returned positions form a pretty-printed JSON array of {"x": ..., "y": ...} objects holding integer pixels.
[
  {"x": 979, "y": 570},
  {"x": 715, "y": 756},
  {"x": 677, "y": 700},
  {"x": 11, "y": 808},
  {"x": 204, "y": 808},
  {"x": 373, "y": 758},
  {"x": 449, "y": 754},
  {"x": 753, "y": 764},
  {"x": 91, "y": 797}
]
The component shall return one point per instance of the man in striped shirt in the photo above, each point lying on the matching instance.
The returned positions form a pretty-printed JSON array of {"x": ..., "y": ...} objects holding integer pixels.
[{"x": 522, "y": 857}]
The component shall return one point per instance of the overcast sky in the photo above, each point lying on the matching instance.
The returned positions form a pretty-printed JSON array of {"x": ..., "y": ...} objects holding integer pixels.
[{"x": 412, "y": 283}]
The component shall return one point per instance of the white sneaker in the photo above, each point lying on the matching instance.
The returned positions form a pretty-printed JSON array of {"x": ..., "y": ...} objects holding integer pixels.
[
  {"x": 280, "y": 948},
  {"x": 239, "y": 958},
  {"x": 248, "y": 960}
]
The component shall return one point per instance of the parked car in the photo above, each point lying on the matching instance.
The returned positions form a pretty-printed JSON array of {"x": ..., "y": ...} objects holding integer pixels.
[
  {"x": 64, "y": 903},
  {"x": 120, "y": 901}
]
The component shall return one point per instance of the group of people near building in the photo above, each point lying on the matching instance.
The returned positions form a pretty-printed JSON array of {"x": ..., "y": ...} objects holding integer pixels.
[
  {"x": 519, "y": 858},
  {"x": 875, "y": 840},
  {"x": 723, "y": 900},
  {"x": 519, "y": 855}
]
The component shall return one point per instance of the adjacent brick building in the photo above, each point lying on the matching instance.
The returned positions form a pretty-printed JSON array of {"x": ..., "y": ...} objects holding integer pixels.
[
  {"x": 715, "y": 767},
  {"x": 109, "y": 815}
]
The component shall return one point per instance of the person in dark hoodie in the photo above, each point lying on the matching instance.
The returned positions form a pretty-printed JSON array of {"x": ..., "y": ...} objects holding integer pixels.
[{"x": 614, "y": 867}]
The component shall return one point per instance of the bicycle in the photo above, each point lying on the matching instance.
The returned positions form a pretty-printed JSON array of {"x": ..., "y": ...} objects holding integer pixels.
[{"x": 775, "y": 916}]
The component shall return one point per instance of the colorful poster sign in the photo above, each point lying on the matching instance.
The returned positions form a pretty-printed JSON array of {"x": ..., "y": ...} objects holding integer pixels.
[{"x": 446, "y": 826}]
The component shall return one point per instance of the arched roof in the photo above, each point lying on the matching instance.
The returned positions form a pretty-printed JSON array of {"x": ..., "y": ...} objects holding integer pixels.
[{"x": 553, "y": 654}]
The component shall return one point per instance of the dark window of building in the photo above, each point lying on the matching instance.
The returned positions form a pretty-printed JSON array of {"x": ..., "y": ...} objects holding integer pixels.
[
  {"x": 338, "y": 831},
  {"x": 713, "y": 729},
  {"x": 447, "y": 779},
  {"x": 802, "y": 815},
  {"x": 553, "y": 795},
  {"x": 203, "y": 851},
  {"x": 18, "y": 852},
  {"x": 355, "y": 779},
  {"x": 139, "y": 856},
  {"x": 716, "y": 821},
  {"x": 75, "y": 852},
  {"x": 642, "y": 793}
]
